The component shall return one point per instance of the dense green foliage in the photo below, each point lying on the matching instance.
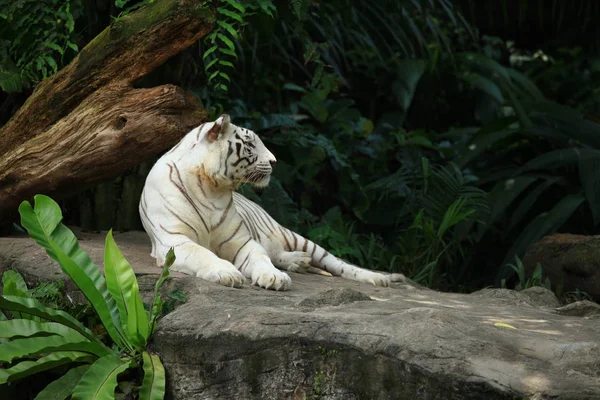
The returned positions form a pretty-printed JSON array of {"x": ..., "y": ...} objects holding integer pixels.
[
  {"x": 41, "y": 338},
  {"x": 428, "y": 137}
]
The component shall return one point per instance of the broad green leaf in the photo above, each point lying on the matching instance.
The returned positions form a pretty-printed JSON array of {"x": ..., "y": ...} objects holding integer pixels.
[
  {"x": 529, "y": 200},
  {"x": 102, "y": 302},
  {"x": 558, "y": 158},
  {"x": 499, "y": 75},
  {"x": 410, "y": 73},
  {"x": 44, "y": 225},
  {"x": 480, "y": 144},
  {"x": 523, "y": 82},
  {"x": 153, "y": 385},
  {"x": 100, "y": 380},
  {"x": 516, "y": 104},
  {"x": 482, "y": 61},
  {"x": 546, "y": 109},
  {"x": 53, "y": 360},
  {"x": 137, "y": 320},
  {"x": 544, "y": 224},
  {"x": 13, "y": 284},
  {"x": 578, "y": 128},
  {"x": 123, "y": 286},
  {"x": 506, "y": 191},
  {"x": 28, "y": 347},
  {"x": 485, "y": 85},
  {"x": 25, "y": 328},
  {"x": 18, "y": 280},
  {"x": 63, "y": 387},
  {"x": 34, "y": 307},
  {"x": 498, "y": 124}
]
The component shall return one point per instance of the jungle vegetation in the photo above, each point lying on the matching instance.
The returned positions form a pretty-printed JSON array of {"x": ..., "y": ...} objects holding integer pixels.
[{"x": 437, "y": 138}]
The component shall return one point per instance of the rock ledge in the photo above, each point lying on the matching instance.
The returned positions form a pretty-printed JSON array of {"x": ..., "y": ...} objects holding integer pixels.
[{"x": 329, "y": 338}]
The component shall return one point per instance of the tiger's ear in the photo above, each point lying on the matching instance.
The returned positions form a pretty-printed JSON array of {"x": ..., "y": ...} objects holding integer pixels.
[
  {"x": 220, "y": 126},
  {"x": 225, "y": 120}
]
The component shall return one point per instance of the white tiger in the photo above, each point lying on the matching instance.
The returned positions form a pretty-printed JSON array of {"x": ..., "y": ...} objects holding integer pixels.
[{"x": 189, "y": 203}]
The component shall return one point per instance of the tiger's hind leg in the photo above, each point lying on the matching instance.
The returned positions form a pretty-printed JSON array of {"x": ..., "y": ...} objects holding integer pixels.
[{"x": 296, "y": 261}]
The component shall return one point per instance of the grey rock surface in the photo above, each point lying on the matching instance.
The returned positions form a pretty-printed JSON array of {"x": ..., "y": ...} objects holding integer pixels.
[
  {"x": 329, "y": 338},
  {"x": 583, "y": 308},
  {"x": 571, "y": 260}
]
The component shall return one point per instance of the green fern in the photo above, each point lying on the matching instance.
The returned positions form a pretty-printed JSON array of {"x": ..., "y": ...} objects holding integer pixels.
[
  {"x": 221, "y": 54},
  {"x": 445, "y": 206}
]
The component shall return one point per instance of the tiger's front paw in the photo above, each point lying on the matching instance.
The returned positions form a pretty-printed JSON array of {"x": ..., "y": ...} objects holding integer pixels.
[
  {"x": 268, "y": 277},
  {"x": 224, "y": 273}
]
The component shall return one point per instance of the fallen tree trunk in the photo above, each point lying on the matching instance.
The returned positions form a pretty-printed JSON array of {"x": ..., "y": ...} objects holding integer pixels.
[{"x": 88, "y": 123}]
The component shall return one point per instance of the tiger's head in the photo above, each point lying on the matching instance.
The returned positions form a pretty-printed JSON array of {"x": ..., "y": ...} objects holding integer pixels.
[{"x": 235, "y": 155}]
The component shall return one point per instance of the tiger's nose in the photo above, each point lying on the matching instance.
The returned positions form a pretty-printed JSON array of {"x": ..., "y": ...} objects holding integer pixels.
[{"x": 273, "y": 163}]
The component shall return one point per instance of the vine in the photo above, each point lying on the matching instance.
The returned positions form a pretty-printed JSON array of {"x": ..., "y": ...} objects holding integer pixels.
[{"x": 221, "y": 55}]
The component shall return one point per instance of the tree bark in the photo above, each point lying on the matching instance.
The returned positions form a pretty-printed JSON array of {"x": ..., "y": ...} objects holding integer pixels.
[{"x": 88, "y": 123}]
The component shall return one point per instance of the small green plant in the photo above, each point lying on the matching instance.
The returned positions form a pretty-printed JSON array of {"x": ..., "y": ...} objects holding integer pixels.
[
  {"x": 326, "y": 354},
  {"x": 320, "y": 379},
  {"x": 320, "y": 376},
  {"x": 535, "y": 280},
  {"x": 41, "y": 338},
  {"x": 175, "y": 297},
  {"x": 577, "y": 295},
  {"x": 50, "y": 294}
]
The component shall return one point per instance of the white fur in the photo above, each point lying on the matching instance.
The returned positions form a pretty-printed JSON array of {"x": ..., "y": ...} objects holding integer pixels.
[{"x": 189, "y": 203}]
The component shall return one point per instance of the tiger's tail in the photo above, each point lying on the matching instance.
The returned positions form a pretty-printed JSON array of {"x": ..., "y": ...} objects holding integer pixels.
[
  {"x": 325, "y": 263},
  {"x": 321, "y": 259}
]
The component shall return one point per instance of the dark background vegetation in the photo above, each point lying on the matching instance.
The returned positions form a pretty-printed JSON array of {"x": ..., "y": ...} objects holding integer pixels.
[{"x": 436, "y": 138}]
